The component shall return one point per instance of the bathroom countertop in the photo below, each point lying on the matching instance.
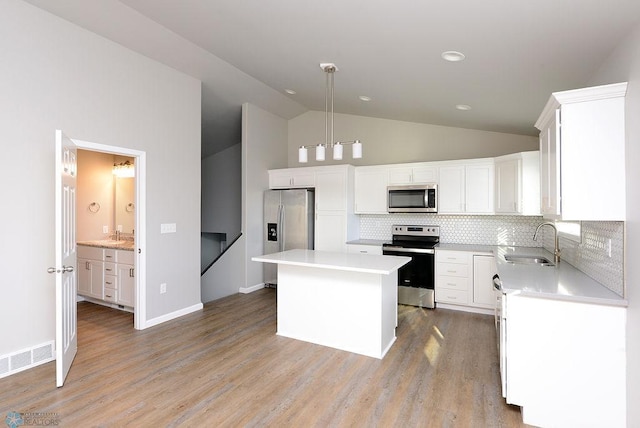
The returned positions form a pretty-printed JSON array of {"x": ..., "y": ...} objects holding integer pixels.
[{"x": 125, "y": 244}]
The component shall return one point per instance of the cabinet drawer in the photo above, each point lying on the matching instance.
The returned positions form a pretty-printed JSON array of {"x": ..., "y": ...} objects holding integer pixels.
[
  {"x": 110, "y": 255},
  {"x": 110, "y": 295},
  {"x": 452, "y": 282},
  {"x": 92, "y": 253},
  {"x": 110, "y": 269},
  {"x": 446, "y": 295},
  {"x": 110, "y": 282},
  {"x": 364, "y": 249},
  {"x": 452, "y": 257},
  {"x": 126, "y": 257},
  {"x": 452, "y": 269}
]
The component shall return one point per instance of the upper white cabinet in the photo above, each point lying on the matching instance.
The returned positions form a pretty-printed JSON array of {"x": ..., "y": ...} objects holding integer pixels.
[
  {"x": 371, "y": 190},
  {"x": 289, "y": 178},
  {"x": 582, "y": 154},
  {"x": 466, "y": 188},
  {"x": 517, "y": 184},
  {"x": 416, "y": 174}
]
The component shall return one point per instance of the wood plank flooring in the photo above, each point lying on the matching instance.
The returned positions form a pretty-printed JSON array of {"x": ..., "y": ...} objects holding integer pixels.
[{"x": 225, "y": 366}]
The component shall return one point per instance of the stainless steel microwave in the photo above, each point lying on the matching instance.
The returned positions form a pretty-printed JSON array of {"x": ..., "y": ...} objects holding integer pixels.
[{"x": 420, "y": 198}]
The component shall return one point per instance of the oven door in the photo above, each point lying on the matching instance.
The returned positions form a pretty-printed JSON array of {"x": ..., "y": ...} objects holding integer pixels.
[{"x": 416, "y": 279}]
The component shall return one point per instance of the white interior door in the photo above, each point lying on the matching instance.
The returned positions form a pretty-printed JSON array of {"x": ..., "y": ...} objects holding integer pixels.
[{"x": 66, "y": 257}]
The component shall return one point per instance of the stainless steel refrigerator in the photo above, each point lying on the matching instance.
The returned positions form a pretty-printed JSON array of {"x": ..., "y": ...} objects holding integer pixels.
[{"x": 288, "y": 218}]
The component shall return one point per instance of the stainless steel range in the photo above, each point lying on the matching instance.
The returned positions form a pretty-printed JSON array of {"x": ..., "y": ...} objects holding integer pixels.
[{"x": 416, "y": 279}]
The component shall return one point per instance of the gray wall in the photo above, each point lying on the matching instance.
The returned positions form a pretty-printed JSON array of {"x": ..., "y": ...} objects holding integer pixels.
[
  {"x": 55, "y": 75},
  {"x": 222, "y": 191},
  {"x": 264, "y": 137},
  {"x": 390, "y": 141},
  {"x": 624, "y": 66}
]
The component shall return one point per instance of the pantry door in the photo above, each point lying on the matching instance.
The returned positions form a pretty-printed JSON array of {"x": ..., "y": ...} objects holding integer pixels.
[{"x": 66, "y": 257}]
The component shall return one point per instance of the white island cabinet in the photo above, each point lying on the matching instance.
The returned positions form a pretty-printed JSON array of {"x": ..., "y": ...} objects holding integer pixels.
[{"x": 341, "y": 300}]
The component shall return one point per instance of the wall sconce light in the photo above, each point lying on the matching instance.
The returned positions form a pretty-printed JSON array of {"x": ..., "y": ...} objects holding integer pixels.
[{"x": 123, "y": 169}]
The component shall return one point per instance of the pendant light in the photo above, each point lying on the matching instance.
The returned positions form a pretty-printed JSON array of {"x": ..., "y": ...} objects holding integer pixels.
[{"x": 337, "y": 146}]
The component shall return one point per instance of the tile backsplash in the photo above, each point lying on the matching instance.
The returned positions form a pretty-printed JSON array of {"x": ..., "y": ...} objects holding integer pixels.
[
  {"x": 459, "y": 229},
  {"x": 591, "y": 256}
]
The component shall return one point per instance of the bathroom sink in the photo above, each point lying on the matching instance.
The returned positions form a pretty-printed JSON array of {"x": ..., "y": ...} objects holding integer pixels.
[{"x": 528, "y": 260}]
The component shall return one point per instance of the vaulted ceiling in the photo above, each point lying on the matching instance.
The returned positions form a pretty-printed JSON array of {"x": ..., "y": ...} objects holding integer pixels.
[{"x": 517, "y": 53}]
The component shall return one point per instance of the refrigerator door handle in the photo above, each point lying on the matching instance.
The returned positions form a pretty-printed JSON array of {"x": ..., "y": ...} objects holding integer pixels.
[{"x": 281, "y": 227}]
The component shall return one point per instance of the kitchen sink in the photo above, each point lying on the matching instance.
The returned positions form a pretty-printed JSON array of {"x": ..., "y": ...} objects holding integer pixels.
[{"x": 528, "y": 260}]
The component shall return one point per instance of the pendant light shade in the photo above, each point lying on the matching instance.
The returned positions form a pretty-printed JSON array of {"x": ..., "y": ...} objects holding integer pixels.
[
  {"x": 357, "y": 149},
  {"x": 320, "y": 152},
  {"x": 337, "y": 151},
  {"x": 302, "y": 154}
]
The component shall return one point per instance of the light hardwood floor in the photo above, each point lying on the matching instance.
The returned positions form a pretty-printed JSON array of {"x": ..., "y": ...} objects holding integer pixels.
[{"x": 225, "y": 366}]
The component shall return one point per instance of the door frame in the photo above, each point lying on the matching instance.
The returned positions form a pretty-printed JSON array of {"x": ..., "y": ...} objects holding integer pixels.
[{"x": 140, "y": 165}]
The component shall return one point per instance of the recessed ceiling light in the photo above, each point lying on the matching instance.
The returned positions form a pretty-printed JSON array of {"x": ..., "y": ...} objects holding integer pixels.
[
  {"x": 453, "y": 56},
  {"x": 364, "y": 98},
  {"x": 290, "y": 91},
  {"x": 463, "y": 107}
]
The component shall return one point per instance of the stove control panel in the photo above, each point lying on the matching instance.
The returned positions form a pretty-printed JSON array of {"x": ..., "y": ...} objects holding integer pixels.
[{"x": 415, "y": 230}]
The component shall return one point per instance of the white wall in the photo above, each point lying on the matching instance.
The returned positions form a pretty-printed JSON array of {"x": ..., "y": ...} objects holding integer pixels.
[
  {"x": 624, "y": 65},
  {"x": 391, "y": 141},
  {"x": 55, "y": 75}
]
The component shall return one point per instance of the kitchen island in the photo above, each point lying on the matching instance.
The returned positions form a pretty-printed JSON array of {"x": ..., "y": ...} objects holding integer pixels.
[{"x": 341, "y": 300}]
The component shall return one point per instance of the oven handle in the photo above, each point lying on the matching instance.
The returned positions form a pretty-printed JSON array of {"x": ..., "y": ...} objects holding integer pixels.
[
  {"x": 410, "y": 250},
  {"x": 497, "y": 284}
]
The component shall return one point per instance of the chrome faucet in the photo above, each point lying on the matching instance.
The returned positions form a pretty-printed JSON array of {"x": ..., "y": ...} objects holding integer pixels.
[{"x": 556, "y": 250}]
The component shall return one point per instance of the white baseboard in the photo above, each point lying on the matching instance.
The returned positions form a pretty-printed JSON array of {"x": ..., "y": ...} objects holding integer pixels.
[
  {"x": 26, "y": 358},
  {"x": 172, "y": 315},
  {"x": 247, "y": 290}
]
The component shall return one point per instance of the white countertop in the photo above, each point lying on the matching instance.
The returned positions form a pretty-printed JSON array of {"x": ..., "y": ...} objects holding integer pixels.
[
  {"x": 474, "y": 248},
  {"x": 366, "y": 263},
  {"x": 560, "y": 282},
  {"x": 374, "y": 242}
]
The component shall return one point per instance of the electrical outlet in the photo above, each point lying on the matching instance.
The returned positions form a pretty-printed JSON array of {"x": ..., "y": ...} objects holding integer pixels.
[
  {"x": 105, "y": 229},
  {"x": 168, "y": 228},
  {"x": 163, "y": 288}
]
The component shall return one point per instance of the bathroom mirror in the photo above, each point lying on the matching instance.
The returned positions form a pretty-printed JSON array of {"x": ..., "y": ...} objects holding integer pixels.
[{"x": 124, "y": 204}]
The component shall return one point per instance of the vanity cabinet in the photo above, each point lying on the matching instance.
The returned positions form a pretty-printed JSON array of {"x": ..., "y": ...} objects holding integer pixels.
[
  {"x": 517, "y": 184},
  {"x": 466, "y": 188},
  {"x": 90, "y": 271},
  {"x": 582, "y": 154},
  {"x": 107, "y": 275}
]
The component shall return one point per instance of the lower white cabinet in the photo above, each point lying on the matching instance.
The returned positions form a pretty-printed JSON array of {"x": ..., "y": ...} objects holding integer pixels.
[
  {"x": 106, "y": 274},
  {"x": 484, "y": 268},
  {"x": 565, "y": 361},
  {"x": 364, "y": 249},
  {"x": 464, "y": 280}
]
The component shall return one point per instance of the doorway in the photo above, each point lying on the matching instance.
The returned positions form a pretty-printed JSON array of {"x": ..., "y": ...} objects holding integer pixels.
[{"x": 128, "y": 224}]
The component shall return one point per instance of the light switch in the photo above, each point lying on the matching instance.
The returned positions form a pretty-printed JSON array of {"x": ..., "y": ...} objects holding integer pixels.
[
  {"x": 168, "y": 228},
  {"x": 105, "y": 229}
]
